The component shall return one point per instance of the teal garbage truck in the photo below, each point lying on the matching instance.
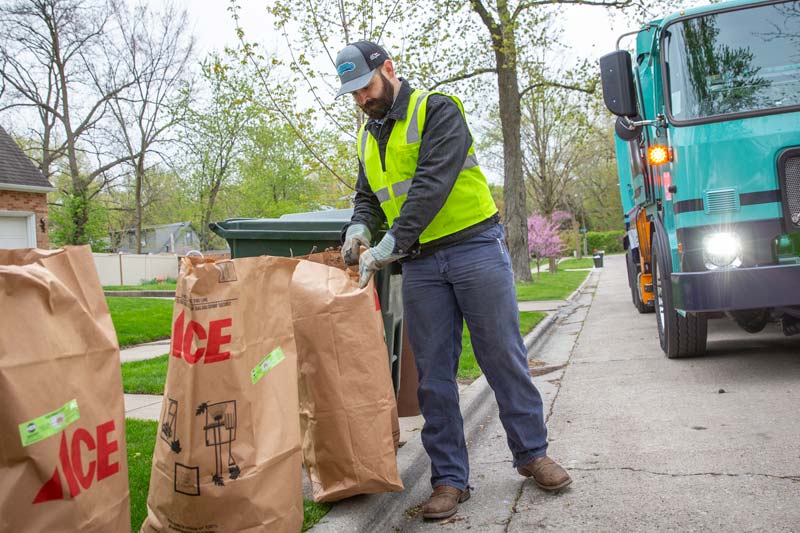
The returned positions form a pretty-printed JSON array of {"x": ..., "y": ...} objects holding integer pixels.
[{"x": 708, "y": 155}]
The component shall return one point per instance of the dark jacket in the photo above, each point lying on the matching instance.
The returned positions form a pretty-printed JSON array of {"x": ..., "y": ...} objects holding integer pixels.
[{"x": 443, "y": 147}]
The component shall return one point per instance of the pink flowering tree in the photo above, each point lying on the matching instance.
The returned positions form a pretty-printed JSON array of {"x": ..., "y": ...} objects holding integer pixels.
[{"x": 544, "y": 241}]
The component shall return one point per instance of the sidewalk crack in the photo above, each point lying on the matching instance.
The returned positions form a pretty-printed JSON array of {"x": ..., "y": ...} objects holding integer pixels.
[
  {"x": 514, "y": 507},
  {"x": 691, "y": 474}
]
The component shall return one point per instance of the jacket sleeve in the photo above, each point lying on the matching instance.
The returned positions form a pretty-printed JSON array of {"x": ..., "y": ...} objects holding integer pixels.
[
  {"x": 443, "y": 148},
  {"x": 366, "y": 208}
]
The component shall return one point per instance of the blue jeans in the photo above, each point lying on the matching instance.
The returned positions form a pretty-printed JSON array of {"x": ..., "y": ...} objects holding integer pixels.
[{"x": 470, "y": 281}]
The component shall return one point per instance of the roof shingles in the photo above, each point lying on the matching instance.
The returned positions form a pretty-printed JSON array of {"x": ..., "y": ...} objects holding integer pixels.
[{"x": 15, "y": 167}]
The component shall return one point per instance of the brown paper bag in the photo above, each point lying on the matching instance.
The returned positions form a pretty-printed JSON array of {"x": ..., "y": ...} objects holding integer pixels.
[
  {"x": 347, "y": 404},
  {"x": 63, "y": 461},
  {"x": 227, "y": 455}
]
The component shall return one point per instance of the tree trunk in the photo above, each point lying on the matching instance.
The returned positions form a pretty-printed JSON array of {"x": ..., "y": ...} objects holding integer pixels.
[
  {"x": 515, "y": 219},
  {"x": 139, "y": 177}
]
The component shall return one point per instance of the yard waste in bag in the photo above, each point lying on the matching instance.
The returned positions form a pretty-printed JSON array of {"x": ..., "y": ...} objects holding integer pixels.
[
  {"x": 227, "y": 455},
  {"x": 63, "y": 462},
  {"x": 348, "y": 413}
]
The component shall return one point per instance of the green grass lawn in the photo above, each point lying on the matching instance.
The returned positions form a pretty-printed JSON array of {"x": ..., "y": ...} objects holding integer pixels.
[
  {"x": 585, "y": 262},
  {"x": 546, "y": 286},
  {"x": 145, "y": 377},
  {"x": 468, "y": 367},
  {"x": 168, "y": 284},
  {"x": 139, "y": 320},
  {"x": 141, "y": 438}
]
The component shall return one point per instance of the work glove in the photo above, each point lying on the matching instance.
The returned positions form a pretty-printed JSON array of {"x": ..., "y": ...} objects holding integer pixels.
[
  {"x": 357, "y": 236},
  {"x": 376, "y": 258}
]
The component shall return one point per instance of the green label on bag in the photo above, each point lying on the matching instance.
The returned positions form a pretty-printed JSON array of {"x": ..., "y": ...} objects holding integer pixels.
[
  {"x": 267, "y": 364},
  {"x": 49, "y": 424}
]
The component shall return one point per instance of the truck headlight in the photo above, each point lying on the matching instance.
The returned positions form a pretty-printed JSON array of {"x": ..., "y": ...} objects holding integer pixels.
[{"x": 722, "y": 250}]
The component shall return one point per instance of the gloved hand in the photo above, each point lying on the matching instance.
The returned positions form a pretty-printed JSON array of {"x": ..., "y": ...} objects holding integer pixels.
[
  {"x": 357, "y": 236},
  {"x": 376, "y": 258}
]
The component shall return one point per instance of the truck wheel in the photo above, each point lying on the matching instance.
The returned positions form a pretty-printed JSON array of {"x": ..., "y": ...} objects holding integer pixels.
[
  {"x": 633, "y": 282},
  {"x": 680, "y": 336}
]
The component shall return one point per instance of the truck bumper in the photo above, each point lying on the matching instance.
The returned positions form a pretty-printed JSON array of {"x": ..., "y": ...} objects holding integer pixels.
[{"x": 741, "y": 288}]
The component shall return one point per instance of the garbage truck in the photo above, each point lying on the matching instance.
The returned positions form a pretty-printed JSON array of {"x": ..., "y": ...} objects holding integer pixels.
[{"x": 707, "y": 138}]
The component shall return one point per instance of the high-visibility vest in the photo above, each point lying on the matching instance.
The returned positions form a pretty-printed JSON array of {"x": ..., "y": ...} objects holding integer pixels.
[{"x": 469, "y": 202}]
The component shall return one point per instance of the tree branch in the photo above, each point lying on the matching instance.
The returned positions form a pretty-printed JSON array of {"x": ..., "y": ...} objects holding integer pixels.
[
  {"x": 617, "y": 4},
  {"x": 463, "y": 76},
  {"x": 588, "y": 90},
  {"x": 486, "y": 17}
]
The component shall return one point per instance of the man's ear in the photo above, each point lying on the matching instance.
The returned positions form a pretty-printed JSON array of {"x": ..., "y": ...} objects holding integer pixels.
[{"x": 388, "y": 69}]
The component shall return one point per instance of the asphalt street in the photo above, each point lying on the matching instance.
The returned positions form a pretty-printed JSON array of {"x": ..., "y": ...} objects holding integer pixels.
[{"x": 708, "y": 443}]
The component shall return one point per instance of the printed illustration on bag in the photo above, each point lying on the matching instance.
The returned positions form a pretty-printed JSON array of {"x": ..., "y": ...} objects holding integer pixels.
[
  {"x": 220, "y": 429},
  {"x": 169, "y": 425},
  {"x": 73, "y": 459},
  {"x": 187, "y": 479},
  {"x": 227, "y": 272}
]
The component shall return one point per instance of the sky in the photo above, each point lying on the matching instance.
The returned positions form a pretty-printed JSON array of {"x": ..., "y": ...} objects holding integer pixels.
[{"x": 590, "y": 30}]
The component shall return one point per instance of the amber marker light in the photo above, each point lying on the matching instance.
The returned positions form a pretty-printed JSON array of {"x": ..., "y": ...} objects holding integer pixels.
[{"x": 657, "y": 155}]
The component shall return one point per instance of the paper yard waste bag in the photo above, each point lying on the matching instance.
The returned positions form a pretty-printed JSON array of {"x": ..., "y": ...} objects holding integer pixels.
[
  {"x": 63, "y": 461},
  {"x": 347, "y": 402},
  {"x": 227, "y": 455}
]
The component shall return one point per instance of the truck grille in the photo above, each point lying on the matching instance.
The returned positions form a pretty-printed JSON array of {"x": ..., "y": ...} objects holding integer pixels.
[{"x": 791, "y": 189}]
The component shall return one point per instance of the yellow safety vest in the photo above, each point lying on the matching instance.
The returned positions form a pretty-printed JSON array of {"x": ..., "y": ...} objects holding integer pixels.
[{"x": 469, "y": 202}]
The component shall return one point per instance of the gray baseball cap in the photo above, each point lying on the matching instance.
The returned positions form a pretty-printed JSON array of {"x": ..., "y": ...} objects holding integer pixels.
[{"x": 356, "y": 64}]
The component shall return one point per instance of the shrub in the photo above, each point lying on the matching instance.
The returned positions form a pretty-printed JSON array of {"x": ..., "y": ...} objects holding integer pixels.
[{"x": 610, "y": 241}]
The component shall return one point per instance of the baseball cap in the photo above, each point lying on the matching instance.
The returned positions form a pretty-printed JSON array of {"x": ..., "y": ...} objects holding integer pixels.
[{"x": 356, "y": 63}]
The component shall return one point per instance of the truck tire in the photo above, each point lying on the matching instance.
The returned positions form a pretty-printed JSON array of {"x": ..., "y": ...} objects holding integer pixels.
[
  {"x": 633, "y": 283},
  {"x": 680, "y": 336}
]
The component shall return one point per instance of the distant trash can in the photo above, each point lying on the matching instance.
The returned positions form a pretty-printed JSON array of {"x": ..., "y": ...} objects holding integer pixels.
[
  {"x": 598, "y": 260},
  {"x": 299, "y": 234}
]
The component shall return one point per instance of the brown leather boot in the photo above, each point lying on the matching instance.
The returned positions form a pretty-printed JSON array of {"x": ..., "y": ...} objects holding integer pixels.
[
  {"x": 444, "y": 501},
  {"x": 546, "y": 473}
]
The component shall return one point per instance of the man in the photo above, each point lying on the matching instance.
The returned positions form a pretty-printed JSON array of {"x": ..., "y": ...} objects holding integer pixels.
[{"x": 419, "y": 173}]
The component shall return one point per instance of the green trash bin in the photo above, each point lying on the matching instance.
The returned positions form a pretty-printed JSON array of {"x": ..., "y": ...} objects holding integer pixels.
[{"x": 299, "y": 234}]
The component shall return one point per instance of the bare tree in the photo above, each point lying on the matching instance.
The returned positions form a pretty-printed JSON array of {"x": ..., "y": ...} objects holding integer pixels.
[
  {"x": 554, "y": 131},
  {"x": 156, "y": 51},
  {"x": 58, "y": 59}
]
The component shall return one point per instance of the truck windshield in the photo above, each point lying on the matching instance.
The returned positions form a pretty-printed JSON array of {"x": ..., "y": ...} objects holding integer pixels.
[{"x": 740, "y": 61}]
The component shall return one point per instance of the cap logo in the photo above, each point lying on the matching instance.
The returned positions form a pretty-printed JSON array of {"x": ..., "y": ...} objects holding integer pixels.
[
  {"x": 345, "y": 67},
  {"x": 374, "y": 55}
]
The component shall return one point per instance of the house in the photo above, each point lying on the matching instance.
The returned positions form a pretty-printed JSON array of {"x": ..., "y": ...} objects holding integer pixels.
[
  {"x": 177, "y": 238},
  {"x": 23, "y": 198}
]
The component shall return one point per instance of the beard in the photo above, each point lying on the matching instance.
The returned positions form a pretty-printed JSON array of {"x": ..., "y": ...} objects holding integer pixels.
[{"x": 377, "y": 108}]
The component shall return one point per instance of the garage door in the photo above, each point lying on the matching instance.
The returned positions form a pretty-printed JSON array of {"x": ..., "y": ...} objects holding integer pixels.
[{"x": 14, "y": 232}]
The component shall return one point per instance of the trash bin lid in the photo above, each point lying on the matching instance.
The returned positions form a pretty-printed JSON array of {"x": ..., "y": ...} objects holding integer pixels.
[{"x": 313, "y": 226}]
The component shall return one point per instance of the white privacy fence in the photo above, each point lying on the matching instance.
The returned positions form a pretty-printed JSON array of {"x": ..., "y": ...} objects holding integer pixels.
[{"x": 133, "y": 269}]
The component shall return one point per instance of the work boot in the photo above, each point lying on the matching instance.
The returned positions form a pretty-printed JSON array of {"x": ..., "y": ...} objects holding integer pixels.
[
  {"x": 546, "y": 473},
  {"x": 444, "y": 501}
]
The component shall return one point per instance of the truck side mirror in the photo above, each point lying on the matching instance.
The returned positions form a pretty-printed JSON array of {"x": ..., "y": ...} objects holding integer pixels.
[
  {"x": 617, "y": 79},
  {"x": 625, "y": 130}
]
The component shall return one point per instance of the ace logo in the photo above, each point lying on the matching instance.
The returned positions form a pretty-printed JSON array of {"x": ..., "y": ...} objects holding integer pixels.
[
  {"x": 80, "y": 472},
  {"x": 182, "y": 340}
]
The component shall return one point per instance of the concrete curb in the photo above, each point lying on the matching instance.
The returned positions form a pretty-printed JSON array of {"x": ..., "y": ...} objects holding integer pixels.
[
  {"x": 387, "y": 511},
  {"x": 141, "y": 294}
]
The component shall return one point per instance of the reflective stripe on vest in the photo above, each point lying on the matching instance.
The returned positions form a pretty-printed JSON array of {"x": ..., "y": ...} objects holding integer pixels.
[{"x": 470, "y": 200}]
